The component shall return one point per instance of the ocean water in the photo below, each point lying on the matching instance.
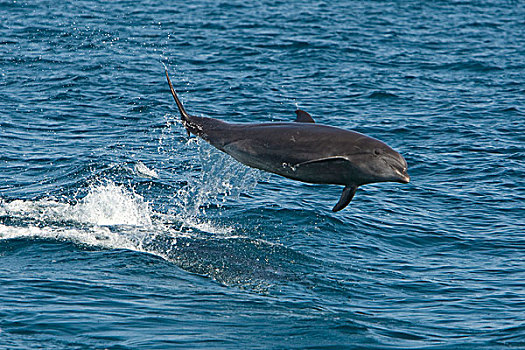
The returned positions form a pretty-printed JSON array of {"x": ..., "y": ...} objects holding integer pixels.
[{"x": 117, "y": 231}]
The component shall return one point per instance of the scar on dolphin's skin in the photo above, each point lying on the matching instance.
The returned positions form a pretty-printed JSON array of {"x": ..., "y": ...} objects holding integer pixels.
[{"x": 303, "y": 150}]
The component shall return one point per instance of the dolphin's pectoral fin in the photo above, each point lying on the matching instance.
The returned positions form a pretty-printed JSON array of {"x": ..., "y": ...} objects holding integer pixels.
[
  {"x": 346, "y": 198},
  {"x": 303, "y": 117}
]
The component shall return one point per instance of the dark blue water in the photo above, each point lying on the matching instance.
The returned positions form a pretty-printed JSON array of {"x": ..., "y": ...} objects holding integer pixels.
[{"x": 119, "y": 232}]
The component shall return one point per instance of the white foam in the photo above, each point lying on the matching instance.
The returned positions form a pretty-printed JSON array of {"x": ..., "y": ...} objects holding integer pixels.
[
  {"x": 91, "y": 221},
  {"x": 110, "y": 216},
  {"x": 112, "y": 204},
  {"x": 107, "y": 204},
  {"x": 205, "y": 225},
  {"x": 143, "y": 170},
  {"x": 94, "y": 236}
]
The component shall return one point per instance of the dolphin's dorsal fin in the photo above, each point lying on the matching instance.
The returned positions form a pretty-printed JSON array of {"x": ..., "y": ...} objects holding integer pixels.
[
  {"x": 303, "y": 117},
  {"x": 346, "y": 198}
]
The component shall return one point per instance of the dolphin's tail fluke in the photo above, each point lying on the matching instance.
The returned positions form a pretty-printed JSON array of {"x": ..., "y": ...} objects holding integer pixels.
[{"x": 185, "y": 116}]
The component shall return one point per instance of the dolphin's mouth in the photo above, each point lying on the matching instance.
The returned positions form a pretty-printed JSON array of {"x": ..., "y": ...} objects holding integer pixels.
[
  {"x": 404, "y": 178},
  {"x": 400, "y": 168}
]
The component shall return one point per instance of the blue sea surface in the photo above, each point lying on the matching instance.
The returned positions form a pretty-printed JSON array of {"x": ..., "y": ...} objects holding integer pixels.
[{"x": 117, "y": 231}]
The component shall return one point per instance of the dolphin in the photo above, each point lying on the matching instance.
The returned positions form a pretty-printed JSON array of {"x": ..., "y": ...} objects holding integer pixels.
[{"x": 303, "y": 150}]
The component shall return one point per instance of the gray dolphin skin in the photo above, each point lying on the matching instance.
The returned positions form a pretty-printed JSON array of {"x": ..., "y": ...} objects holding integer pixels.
[{"x": 303, "y": 150}]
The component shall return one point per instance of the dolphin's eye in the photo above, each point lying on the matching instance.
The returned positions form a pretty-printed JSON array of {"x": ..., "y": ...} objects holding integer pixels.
[{"x": 377, "y": 151}]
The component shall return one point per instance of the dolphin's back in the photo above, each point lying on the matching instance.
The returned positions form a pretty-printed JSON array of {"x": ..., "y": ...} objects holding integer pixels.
[{"x": 296, "y": 142}]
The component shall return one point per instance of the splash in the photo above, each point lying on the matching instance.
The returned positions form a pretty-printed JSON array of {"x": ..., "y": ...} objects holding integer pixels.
[
  {"x": 213, "y": 179},
  {"x": 112, "y": 204},
  {"x": 219, "y": 181},
  {"x": 142, "y": 170},
  {"x": 105, "y": 205},
  {"x": 110, "y": 216}
]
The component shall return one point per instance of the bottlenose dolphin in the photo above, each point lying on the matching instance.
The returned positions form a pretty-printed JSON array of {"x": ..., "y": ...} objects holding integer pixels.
[{"x": 303, "y": 150}]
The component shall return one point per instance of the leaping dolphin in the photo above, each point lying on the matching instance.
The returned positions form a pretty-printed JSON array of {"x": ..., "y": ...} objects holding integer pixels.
[{"x": 303, "y": 150}]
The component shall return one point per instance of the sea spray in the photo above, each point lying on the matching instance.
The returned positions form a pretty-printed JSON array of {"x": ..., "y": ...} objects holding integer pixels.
[
  {"x": 216, "y": 181},
  {"x": 212, "y": 179}
]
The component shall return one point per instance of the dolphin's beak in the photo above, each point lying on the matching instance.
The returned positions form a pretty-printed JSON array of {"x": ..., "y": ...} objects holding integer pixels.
[
  {"x": 400, "y": 169},
  {"x": 403, "y": 177}
]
